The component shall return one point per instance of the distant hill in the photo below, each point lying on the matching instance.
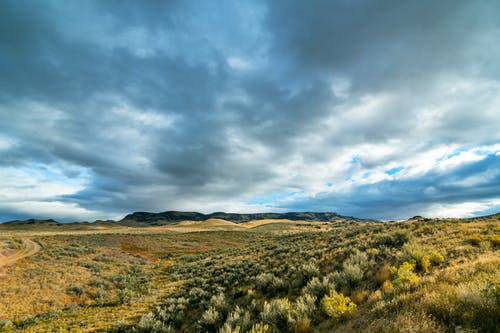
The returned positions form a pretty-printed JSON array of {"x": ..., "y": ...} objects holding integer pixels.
[
  {"x": 50, "y": 224},
  {"x": 175, "y": 216},
  {"x": 143, "y": 219},
  {"x": 32, "y": 222}
]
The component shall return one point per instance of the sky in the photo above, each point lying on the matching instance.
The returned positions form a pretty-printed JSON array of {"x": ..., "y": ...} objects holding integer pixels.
[{"x": 376, "y": 109}]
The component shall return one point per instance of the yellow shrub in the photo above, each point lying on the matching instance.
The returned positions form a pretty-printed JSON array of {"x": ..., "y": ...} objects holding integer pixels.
[
  {"x": 424, "y": 257},
  {"x": 436, "y": 257},
  {"x": 425, "y": 263},
  {"x": 337, "y": 306},
  {"x": 476, "y": 239},
  {"x": 405, "y": 273}
]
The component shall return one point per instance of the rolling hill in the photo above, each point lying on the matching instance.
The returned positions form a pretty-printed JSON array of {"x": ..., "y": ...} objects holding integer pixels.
[{"x": 175, "y": 216}]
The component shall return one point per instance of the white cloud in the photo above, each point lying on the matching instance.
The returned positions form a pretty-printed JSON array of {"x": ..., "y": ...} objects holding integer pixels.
[
  {"x": 33, "y": 183},
  {"x": 463, "y": 209},
  {"x": 53, "y": 209},
  {"x": 459, "y": 159},
  {"x": 35, "y": 191}
]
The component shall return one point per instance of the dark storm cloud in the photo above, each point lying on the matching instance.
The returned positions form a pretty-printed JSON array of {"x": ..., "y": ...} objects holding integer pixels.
[
  {"x": 382, "y": 43},
  {"x": 115, "y": 106}
]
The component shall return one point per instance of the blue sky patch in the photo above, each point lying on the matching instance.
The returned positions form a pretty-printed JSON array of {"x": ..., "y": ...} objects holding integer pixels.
[
  {"x": 272, "y": 197},
  {"x": 394, "y": 170}
]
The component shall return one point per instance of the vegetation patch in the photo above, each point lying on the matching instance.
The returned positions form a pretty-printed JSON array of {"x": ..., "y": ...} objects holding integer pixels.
[{"x": 432, "y": 276}]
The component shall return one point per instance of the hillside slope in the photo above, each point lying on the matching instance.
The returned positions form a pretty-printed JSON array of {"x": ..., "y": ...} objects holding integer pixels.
[{"x": 175, "y": 216}]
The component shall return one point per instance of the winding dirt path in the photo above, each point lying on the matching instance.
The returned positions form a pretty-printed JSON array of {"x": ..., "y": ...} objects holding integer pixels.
[{"x": 30, "y": 248}]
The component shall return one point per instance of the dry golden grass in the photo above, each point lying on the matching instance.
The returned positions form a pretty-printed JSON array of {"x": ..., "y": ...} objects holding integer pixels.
[
  {"x": 29, "y": 286},
  {"x": 258, "y": 223},
  {"x": 208, "y": 223}
]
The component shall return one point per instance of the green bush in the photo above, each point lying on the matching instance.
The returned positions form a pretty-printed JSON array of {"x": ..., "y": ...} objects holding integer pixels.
[
  {"x": 396, "y": 239},
  {"x": 320, "y": 287},
  {"x": 277, "y": 312}
]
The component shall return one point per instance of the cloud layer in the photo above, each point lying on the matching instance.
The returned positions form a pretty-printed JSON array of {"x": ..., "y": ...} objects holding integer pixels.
[{"x": 383, "y": 110}]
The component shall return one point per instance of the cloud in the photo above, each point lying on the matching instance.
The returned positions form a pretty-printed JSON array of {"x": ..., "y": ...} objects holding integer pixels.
[
  {"x": 465, "y": 189},
  {"x": 111, "y": 107}
]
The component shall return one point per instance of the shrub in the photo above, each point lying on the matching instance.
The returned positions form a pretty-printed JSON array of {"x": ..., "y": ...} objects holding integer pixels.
[
  {"x": 25, "y": 322},
  {"x": 425, "y": 263},
  {"x": 305, "y": 306},
  {"x": 218, "y": 301},
  {"x": 196, "y": 293},
  {"x": 359, "y": 259},
  {"x": 227, "y": 328},
  {"x": 423, "y": 257},
  {"x": 436, "y": 257},
  {"x": 102, "y": 297},
  {"x": 210, "y": 318},
  {"x": 233, "y": 318},
  {"x": 337, "y": 306},
  {"x": 359, "y": 295},
  {"x": 74, "y": 290},
  {"x": 467, "y": 304},
  {"x": 260, "y": 328},
  {"x": 6, "y": 326},
  {"x": 351, "y": 276},
  {"x": 396, "y": 239},
  {"x": 269, "y": 284},
  {"x": 485, "y": 245},
  {"x": 310, "y": 270},
  {"x": 492, "y": 290},
  {"x": 320, "y": 287},
  {"x": 372, "y": 252},
  {"x": 150, "y": 324},
  {"x": 383, "y": 274},
  {"x": 303, "y": 326},
  {"x": 476, "y": 239},
  {"x": 494, "y": 240},
  {"x": 277, "y": 312},
  {"x": 95, "y": 268},
  {"x": 404, "y": 275},
  {"x": 387, "y": 286},
  {"x": 125, "y": 295}
]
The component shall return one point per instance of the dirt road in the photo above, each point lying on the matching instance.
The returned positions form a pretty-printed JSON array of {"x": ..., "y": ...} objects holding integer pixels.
[{"x": 30, "y": 248}]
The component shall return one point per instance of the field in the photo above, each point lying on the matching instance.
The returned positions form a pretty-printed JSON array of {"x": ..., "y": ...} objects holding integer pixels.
[{"x": 259, "y": 276}]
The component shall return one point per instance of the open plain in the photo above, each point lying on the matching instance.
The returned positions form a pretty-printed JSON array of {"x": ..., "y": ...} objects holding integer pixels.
[{"x": 422, "y": 275}]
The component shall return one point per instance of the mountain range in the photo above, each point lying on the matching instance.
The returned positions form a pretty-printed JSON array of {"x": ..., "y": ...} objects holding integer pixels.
[{"x": 171, "y": 217}]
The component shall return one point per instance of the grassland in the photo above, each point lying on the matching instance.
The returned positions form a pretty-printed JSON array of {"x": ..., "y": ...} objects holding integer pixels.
[{"x": 258, "y": 276}]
